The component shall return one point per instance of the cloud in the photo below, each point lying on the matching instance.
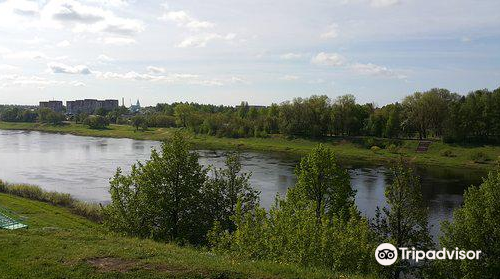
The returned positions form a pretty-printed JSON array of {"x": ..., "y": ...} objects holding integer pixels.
[
  {"x": 328, "y": 59},
  {"x": 169, "y": 78},
  {"x": 84, "y": 18},
  {"x": 291, "y": 56},
  {"x": 59, "y": 68},
  {"x": 375, "y": 70},
  {"x": 64, "y": 43},
  {"x": 24, "y": 55},
  {"x": 182, "y": 18},
  {"x": 20, "y": 80},
  {"x": 155, "y": 70},
  {"x": 118, "y": 41},
  {"x": 77, "y": 83},
  {"x": 383, "y": 3},
  {"x": 331, "y": 32},
  {"x": 201, "y": 40},
  {"x": 104, "y": 58},
  {"x": 8, "y": 68},
  {"x": 290, "y": 77}
]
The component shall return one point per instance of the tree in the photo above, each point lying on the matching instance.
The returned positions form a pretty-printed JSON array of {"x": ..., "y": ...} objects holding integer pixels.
[
  {"x": 225, "y": 188},
  {"x": 182, "y": 113},
  {"x": 475, "y": 226},
  {"x": 162, "y": 197},
  {"x": 325, "y": 183},
  {"x": 96, "y": 122},
  {"x": 139, "y": 121},
  {"x": 405, "y": 222}
]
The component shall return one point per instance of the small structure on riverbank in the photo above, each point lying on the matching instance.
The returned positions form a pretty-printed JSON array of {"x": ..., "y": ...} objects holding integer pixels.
[{"x": 8, "y": 222}]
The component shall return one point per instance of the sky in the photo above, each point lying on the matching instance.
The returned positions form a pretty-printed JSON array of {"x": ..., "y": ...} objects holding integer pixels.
[{"x": 260, "y": 51}]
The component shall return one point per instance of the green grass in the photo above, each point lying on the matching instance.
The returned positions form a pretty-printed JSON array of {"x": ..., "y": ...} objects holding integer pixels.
[
  {"x": 59, "y": 244},
  {"x": 438, "y": 154}
]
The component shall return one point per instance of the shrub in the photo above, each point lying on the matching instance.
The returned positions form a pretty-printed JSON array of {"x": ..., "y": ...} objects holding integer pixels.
[
  {"x": 479, "y": 157},
  {"x": 448, "y": 153},
  {"x": 392, "y": 148},
  {"x": 96, "y": 122},
  {"x": 375, "y": 148}
]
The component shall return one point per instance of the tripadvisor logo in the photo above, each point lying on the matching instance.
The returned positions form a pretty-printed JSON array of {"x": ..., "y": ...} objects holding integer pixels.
[{"x": 386, "y": 254}]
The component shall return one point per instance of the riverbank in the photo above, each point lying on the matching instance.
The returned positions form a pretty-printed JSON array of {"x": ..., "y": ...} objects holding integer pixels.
[
  {"x": 60, "y": 244},
  {"x": 439, "y": 154}
]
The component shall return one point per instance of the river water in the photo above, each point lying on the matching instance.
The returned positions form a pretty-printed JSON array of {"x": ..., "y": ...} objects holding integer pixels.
[{"x": 82, "y": 167}]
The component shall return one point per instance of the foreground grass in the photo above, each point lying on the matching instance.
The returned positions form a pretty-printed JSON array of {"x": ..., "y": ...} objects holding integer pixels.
[
  {"x": 59, "y": 244},
  {"x": 458, "y": 156}
]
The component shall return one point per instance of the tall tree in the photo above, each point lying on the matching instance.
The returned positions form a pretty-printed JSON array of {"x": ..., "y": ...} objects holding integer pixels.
[
  {"x": 404, "y": 223},
  {"x": 325, "y": 183},
  {"x": 162, "y": 197}
]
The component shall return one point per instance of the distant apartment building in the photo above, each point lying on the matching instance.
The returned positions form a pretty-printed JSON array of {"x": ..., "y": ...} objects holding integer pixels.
[
  {"x": 56, "y": 106},
  {"x": 89, "y": 106}
]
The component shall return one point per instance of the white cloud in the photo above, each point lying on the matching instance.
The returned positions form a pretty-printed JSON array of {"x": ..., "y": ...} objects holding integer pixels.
[
  {"x": 290, "y": 77},
  {"x": 64, "y": 43},
  {"x": 155, "y": 70},
  {"x": 59, "y": 68},
  {"x": 104, "y": 58},
  {"x": 24, "y": 55},
  {"x": 201, "y": 40},
  {"x": 182, "y": 18},
  {"x": 375, "y": 70},
  {"x": 8, "y": 68},
  {"x": 331, "y": 32},
  {"x": 170, "y": 78},
  {"x": 20, "y": 80},
  {"x": 328, "y": 59},
  {"x": 112, "y": 3},
  {"x": 118, "y": 41},
  {"x": 84, "y": 18},
  {"x": 77, "y": 83},
  {"x": 291, "y": 56},
  {"x": 383, "y": 3}
]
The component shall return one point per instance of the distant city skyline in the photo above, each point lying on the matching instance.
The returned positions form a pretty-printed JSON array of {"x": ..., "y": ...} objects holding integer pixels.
[{"x": 225, "y": 52}]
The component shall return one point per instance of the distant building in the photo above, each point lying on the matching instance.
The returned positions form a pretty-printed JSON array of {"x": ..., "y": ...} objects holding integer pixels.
[
  {"x": 56, "y": 106},
  {"x": 89, "y": 106},
  {"x": 135, "y": 108}
]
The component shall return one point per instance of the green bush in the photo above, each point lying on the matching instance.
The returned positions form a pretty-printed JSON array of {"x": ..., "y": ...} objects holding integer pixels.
[
  {"x": 96, "y": 122},
  {"x": 392, "y": 148},
  {"x": 448, "y": 153},
  {"x": 480, "y": 157},
  {"x": 375, "y": 148}
]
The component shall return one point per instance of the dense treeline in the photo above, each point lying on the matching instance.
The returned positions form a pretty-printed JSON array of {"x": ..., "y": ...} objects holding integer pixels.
[
  {"x": 171, "y": 197},
  {"x": 436, "y": 113}
]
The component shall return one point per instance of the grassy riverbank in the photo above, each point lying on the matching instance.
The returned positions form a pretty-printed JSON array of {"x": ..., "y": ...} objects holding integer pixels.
[
  {"x": 59, "y": 244},
  {"x": 439, "y": 154}
]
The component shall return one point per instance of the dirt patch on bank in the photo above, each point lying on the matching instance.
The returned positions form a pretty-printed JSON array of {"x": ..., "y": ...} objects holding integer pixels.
[{"x": 109, "y": 264}]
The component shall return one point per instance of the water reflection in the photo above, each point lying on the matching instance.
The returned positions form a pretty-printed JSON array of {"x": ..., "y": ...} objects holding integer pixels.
[{"x": 82, "y": 166}]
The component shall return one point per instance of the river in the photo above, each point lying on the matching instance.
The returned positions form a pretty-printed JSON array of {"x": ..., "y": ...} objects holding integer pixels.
[{"x": 82, "y": 167}]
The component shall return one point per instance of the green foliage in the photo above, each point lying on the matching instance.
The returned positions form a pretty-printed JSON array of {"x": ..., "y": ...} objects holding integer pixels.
[
  {"x": 161, "y": 198},
  {"x": 96, "y": 122},
  {"x": 139, "y": 121},
  {"x": 224, "y": 189},
  {"x": 404, "y": 223},
  {"x": 475, "y": 226},
  {"x": 293, "y": 232},
  {"x": 87, "y": 210},
  {"x": 479, "y": 157},
  {"x": 447, "y": 153},
  {"x": 324, "y": 182},
  {"x": 46, "y": 115},
  {"x": 375, "y": 148}
]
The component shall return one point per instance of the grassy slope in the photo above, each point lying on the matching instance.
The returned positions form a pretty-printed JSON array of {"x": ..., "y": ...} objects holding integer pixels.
[
  {"x": 345, "y": 150},
  {"x": 58, "y": 244}
]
